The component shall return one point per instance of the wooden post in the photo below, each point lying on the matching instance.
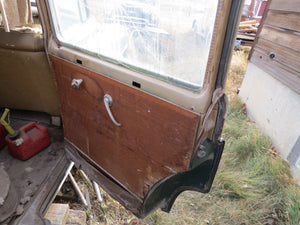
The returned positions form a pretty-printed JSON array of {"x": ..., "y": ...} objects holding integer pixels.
[{"x": 4, "y": 17}]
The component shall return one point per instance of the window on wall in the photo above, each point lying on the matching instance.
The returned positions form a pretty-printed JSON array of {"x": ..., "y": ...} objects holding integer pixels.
[
  {"x": 169, "y": 40},
  {"x": 248, "y": 2},
  {"x": 25, "y": 19}
]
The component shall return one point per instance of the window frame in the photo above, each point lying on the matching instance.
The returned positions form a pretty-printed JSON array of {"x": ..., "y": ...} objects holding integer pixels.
[{"x": 189, "y": 86}]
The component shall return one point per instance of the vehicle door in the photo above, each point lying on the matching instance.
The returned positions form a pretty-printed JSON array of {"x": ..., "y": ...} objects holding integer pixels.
[{"x": 141, "y": 94}]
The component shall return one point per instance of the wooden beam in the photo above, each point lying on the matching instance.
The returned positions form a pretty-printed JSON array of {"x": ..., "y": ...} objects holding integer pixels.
[
  {"x": 281, "y": 37},
  {"x": 260, "y": 28},
  {"x": 286, "y": 5},
  {"x": 57, "y": 214},
  {"x": 4, "y": 17},
  {"x": 76, "y": 217},
  {"x": 283, "y": 19},
  {"x": 286, "y": 56}
]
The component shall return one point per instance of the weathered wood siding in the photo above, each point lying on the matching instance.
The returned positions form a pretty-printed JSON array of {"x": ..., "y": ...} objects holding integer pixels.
[{"x": 280, "y": 34}]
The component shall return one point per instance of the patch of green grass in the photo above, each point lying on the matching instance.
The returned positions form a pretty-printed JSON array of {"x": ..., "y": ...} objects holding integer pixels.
[{"x": 293, "y": 205}]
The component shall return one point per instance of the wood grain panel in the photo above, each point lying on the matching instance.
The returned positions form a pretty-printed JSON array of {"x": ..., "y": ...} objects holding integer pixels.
[
  {"x": 282, "y": 37},
  {"x": 285, "y": 5},
  {"x": 260, "y": 27},
  {"x": 281, "y": 72},
  {"x": 286, "y": 56},
  {"x": 285, "y": 20},
  {"x": 156, "y": 138}
]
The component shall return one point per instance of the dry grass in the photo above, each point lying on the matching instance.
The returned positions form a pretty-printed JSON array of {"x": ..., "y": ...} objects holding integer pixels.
[{"x": 253, "y": 184}]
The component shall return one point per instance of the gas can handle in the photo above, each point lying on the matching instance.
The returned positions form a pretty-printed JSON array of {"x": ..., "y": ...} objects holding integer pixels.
[
  {"x": 28, "y": 127},
  {"x": 6, "y": 124}
]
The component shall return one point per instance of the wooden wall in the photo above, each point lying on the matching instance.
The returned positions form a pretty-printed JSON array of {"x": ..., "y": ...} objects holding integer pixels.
[{"x": 280, "y": 34}]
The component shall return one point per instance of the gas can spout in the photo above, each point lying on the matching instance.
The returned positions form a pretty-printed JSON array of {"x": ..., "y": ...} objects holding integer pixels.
[{"x": 10, "y": 130}]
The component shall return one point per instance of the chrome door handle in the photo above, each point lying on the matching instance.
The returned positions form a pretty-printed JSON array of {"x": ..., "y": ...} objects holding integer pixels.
[
  {"x": 108, "y": 101},
  {"x": 76, "y": 83}
]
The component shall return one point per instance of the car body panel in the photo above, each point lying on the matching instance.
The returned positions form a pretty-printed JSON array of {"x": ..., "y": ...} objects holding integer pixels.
[
  {"x": 168, "y": 140},
  {"x": 143, "y": 156},
  {"x": 156, "y": 152},
  {"x": 161, "y": 148}
]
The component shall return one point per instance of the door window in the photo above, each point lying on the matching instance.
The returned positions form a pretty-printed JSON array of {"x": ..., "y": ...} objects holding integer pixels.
[{"x": 169, "y": 40}]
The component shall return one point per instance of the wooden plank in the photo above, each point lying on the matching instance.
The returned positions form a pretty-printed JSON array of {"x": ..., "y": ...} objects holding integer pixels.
[
  {"x": 285, "y": 5},
  {"x": 277, "y": 70},
  {"x": 282, "y": 37},
  {"x": 76, "y": 217},
  {"x": 57, "y": 214},
  {"x": 245, "y": 37},
  {"x": 286, "y": 56},
  {"x": 260, "y": 27},
  {"x": 156, "y": 138},
  {"x": 247, "y": 30},
  {"x": 285, "y": 20},
  {"x": 247, "y": 23}
]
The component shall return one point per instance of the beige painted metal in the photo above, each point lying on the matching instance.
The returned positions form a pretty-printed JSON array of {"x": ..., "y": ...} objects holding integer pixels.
[
  {"x": 26, "y": 84},
  {"x": 194, "y": 101}
]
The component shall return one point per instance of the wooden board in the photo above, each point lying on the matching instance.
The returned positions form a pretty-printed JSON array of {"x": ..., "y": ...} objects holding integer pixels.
[
  {"x": 260, "y": 27},
  {"x": 282, "y": 37},
  {"x": 282, "y": 19},
  {"x": 76, "y": 217},
  {"x": 279, "y": 35},
  {"x": 285, "y": 5},
  {"x": 278, "y": 70},
  {"x": 57, "y": 214},
  {"x": 156, "y": 138},
  {"x": 289, "y": 57}
]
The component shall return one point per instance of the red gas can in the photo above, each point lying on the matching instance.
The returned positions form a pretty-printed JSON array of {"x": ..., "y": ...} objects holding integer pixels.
[
  {"x": 3, "y": 133},
  {"x": 32, "y": 139}
]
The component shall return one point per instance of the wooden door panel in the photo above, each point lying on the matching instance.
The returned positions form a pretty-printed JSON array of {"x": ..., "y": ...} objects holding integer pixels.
[{"x": 156, "y": 138}]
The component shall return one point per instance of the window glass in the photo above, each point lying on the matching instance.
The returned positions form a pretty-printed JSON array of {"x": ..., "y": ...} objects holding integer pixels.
[
  {"x": 248, "y": 2},
  {"x": 168, "y": 39}
]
